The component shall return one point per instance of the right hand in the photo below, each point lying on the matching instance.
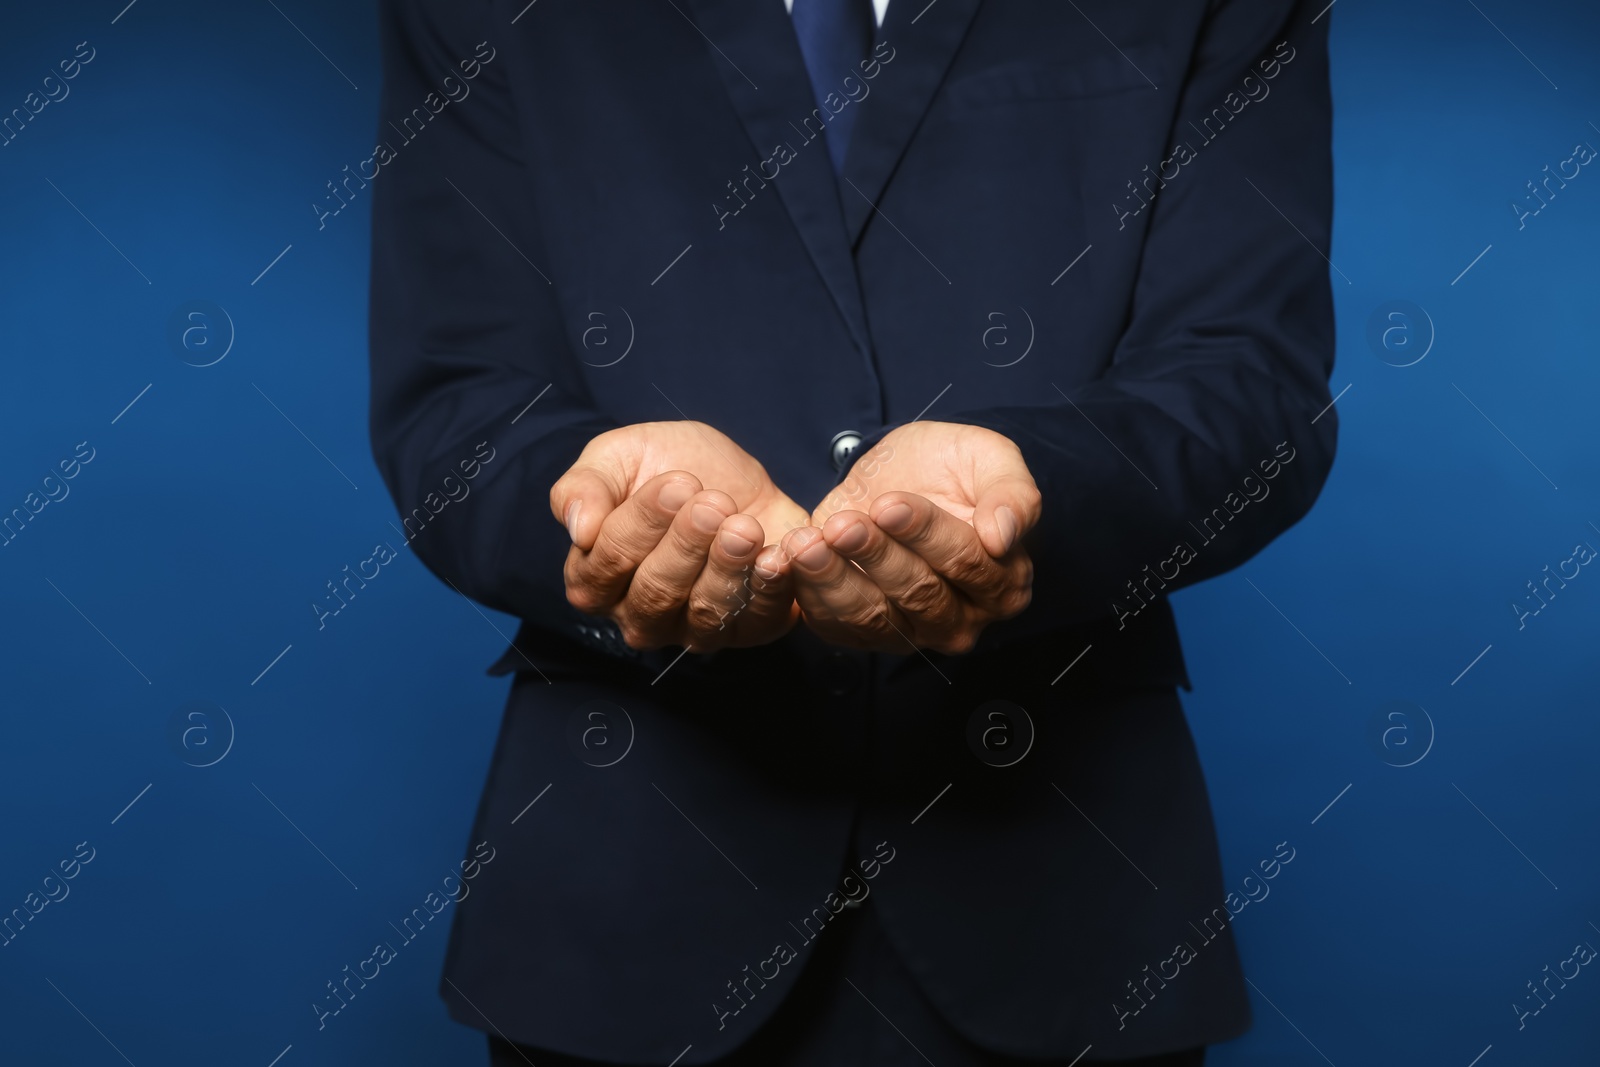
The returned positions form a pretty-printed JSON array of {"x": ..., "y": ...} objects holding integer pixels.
[{"x": 670, "y": 562}]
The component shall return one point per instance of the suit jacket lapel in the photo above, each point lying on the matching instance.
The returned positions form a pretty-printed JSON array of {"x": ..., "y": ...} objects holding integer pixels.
[
  {"x": 772, "y": 95},
  {"x": 924, "y": 37}
]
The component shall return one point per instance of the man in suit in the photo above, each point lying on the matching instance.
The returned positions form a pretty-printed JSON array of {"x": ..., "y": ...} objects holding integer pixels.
[{"x": 843, "y": 392}]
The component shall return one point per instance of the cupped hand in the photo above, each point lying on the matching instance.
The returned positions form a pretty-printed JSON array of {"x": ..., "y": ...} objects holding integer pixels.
[
  {"x": 670, "y": 562},
  {"x": 935, "y": 554}
]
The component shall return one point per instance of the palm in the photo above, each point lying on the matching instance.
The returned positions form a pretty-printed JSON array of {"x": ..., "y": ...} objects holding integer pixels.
[
  {"x": 646, "y": 450},
  {"x": 943, "y": 462}
]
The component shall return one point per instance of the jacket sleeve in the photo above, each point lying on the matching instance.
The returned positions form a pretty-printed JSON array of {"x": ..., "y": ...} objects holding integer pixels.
[
  {"x": 472, "y": 369},
  {"x": 1210, "y": 432}
]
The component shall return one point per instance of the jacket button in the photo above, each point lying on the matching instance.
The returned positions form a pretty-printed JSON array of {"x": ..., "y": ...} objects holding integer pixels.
[{"x": 844, "y": 446}]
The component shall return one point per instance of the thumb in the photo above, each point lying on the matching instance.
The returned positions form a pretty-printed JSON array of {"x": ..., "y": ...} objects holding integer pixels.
[
  {"x": 1008, "y": 507},
  {"x": 581, "y": 499}
]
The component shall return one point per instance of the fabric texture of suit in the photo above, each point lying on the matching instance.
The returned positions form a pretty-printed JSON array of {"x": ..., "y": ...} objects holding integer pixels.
[{"x": 649, "y": 164}]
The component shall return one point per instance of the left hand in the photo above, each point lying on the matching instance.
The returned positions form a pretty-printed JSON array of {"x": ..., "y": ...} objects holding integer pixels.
[{"x": 935, "y": 556}]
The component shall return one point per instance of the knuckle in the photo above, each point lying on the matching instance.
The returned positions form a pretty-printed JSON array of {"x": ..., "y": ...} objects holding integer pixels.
[
  {"x": 648, "y": 600},
  {"x": 947, "y": 613},
  {"x": 609, "y": 557},
  {"x": 878, "y": 553},
  {"x": 1017, "y": 592},
  {"x": 926, "y": 597},
  {"x": 686, "y": 542},
  {"x": 888, "y": 635},
  {"x": 869, "y": 621},
  {"x": 581, "y": 592},
  {"x": 702, "y": 617},
  {"x": 970, "y": 565},
  {"x": 1016, "y": 601}
]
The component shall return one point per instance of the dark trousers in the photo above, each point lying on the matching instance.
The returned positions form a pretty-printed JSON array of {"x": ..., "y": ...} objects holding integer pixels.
[{"x": 854, "y": 1005}]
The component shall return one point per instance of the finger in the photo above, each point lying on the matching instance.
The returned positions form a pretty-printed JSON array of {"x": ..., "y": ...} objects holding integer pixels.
[
  {"x": 657, "y": 595},
  {"x": 935, "y": 609},
  {"x": 737, "y": 601},
  {"x": 773, "y": 565},
  {"x": 604, "y": 475},
  {"x": 1008, "y": 506},
  {"x": 950, "y": 546},
  {"x": 599, "y": 578},
  {"x": 840, "y": 603},
  {"x": 773, "y": 612},
  {"x": 581, "y": 499}
]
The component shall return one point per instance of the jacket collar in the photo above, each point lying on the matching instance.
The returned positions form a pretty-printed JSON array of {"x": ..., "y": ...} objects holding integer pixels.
[
  {"x": 757, "y": 55},
  {"x": 924, "y": 38}
]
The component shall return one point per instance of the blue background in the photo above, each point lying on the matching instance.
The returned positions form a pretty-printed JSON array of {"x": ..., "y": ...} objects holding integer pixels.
[{"x": 218, "y": 505}]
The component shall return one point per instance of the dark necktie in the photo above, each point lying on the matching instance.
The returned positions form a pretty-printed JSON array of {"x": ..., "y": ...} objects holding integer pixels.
[{"x": 835, "y": 36}]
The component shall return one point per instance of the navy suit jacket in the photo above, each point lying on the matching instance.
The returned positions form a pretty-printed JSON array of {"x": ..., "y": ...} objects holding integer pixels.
[{"x": 1096, "y": 228}]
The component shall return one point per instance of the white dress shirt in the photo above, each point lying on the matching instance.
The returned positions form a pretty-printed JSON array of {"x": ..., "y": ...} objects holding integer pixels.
[{"x": 878, "y": 8}]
